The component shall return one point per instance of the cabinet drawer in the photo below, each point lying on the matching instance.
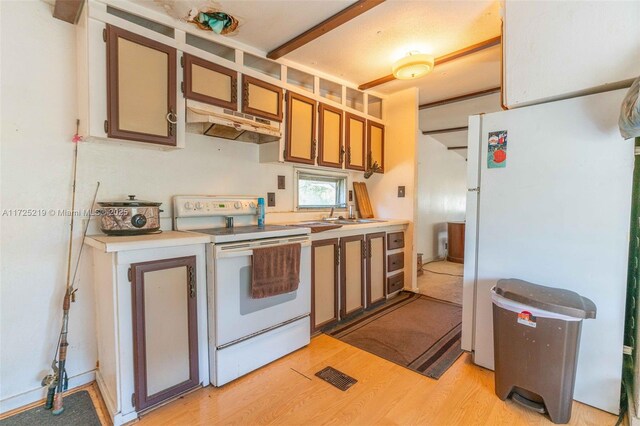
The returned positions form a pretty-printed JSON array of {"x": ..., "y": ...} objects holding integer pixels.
[
  {"x": 395, "y": 240},
  {"x": 395, "y": 282},
  {"x": 395, "y": 261}
]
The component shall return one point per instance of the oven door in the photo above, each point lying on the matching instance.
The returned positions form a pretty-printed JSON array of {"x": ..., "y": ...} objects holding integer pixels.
[{"x": 237, "y": 316}]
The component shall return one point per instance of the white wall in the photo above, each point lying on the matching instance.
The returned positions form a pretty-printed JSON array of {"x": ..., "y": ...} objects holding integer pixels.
[
  {"x": 442, "y": 191},
  {"x": 39, "y": 110},
  {"x": 401, "y": 135},
  {"x": 556, "y": 48}
]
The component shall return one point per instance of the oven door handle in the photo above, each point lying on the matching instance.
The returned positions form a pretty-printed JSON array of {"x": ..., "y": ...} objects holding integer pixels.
[{"x": 247, "y": 249}]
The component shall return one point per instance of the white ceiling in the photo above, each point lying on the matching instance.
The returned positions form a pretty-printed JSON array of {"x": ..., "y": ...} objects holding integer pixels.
[
  {"x": 263, "y": 24},
  {"x": 456, "y": 114},
  {"x": 364, "y": 48}
]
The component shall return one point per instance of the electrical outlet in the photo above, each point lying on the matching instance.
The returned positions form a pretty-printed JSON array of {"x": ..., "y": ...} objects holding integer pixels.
[
  {"x": 350, "y": 195},
  {"x": 281, "y": 182},
  {"x": 401, "y": 192},
  {"x": 271, "y": 199}
]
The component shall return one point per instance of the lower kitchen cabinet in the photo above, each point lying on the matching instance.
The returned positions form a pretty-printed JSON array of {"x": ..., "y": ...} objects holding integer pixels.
[
  {"x": 324, "y": 283},
  {"x": 151, "y": 320},
  {"x": 165, "y": 329},
  {"x": 375, "y": 271},
  {"x": 349, "y": 275},
  {"x": 352, "y": 271}
]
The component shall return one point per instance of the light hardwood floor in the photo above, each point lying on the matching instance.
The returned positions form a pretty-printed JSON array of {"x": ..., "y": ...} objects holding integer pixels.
[{"x": 287, "y": 392}]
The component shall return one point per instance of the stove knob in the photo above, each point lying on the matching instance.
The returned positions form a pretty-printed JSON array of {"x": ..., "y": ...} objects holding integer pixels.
[
  {"x": 188, "y": 205},
  {"x": 198, "y": 205},
  {"x": 237, "y": 205},
  {"x": 252, "y": 205}
]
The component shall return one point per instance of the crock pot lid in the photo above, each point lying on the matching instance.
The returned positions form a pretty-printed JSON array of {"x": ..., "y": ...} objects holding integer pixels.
[{"x": 131, "y": 202}]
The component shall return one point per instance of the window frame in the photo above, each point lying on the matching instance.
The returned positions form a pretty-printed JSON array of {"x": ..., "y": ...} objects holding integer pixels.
[{"x": 343, "y": 191}]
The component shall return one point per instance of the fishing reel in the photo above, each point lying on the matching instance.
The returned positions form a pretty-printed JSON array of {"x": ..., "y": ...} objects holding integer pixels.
[{"x": 50, "y": 381}]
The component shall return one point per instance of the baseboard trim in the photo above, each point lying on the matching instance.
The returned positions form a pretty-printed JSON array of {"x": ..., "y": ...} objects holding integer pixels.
[{"x": 39, "y": 394}]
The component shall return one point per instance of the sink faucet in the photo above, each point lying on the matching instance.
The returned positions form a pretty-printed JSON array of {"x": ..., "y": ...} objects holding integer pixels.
[{"x": 330, "y": 217}]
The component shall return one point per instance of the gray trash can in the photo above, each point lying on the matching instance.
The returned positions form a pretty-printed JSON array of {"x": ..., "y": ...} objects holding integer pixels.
[{"x": 536, "y": 334}]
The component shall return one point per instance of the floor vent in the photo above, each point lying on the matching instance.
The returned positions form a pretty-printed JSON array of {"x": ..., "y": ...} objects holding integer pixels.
[{"x": 336, "y": 378}]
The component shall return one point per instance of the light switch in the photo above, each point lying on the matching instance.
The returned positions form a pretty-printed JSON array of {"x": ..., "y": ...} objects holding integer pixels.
[{"x": 401, "y": 192}]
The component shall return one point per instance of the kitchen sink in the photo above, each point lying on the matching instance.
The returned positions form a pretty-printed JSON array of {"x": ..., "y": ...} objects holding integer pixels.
[{"x": 356, "y": 221}]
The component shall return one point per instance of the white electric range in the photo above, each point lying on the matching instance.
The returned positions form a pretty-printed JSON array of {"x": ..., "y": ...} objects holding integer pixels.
[{"x": 245, "y": 333}]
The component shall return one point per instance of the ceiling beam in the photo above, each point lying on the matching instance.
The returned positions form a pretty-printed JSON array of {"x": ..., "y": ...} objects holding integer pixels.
[
  {"x": 68, "y": 10},
  {"x": 494, "y": 41},
  {"x": 460, "y": 98},
  {"x": 448, "y": 130},
  {"x": 342, "y": 17}
]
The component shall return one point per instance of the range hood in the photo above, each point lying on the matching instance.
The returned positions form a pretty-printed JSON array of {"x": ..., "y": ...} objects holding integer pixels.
[{"x": 228, "y": 124}]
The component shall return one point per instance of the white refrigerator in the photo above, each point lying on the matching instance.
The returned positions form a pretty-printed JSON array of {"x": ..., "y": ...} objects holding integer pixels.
[{"x": 552, "y": 209}]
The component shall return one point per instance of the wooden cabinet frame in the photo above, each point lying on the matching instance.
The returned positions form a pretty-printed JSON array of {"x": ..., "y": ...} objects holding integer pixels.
[
  {"x": 343, "y": 275},
  {"x": 321, "y": 109},
  {"x": 370, "y": 237},
  {"x": 347, "y": 135},
  {"x": 246, "y": 81},
  {"x": 288, "y": 148},
  {"x": 113, "y": 127},
  {"x": 142, "y": 400},
  {"x": 190, "y": 60},
  {"x": 335, "y": 243},
  {"x": 371, "y": 124}
]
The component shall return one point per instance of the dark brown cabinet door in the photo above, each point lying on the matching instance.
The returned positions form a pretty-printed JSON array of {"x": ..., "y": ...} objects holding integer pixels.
[
  {"x": 330, "y": 147},
  {"x": 376, "y": 272},
  {"x": 165, "y": 338},
  {"x": 301, "y": 129},
  {"x": 355, "y": 128},
  {"x": 141, "y": 88},
  {"x": 352, "y": 291},
  {"x": 375, "y": 145},
  {"x": 324, "y": 283},
  {"x": 261, "y": 99},
  {"x": 210, "y": 83}
]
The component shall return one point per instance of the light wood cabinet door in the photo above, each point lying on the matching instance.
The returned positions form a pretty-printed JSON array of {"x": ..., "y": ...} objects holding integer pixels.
[
  {"x": 354, "y": 131},
  {"x": 210, "y": 83},
  {"x": 324, "y": 283},
  {"x": 141, "y": 88},
  {"x": 165, "y": 338},
  {"x": 261, "y": 99},
  {"x": 301, "y": 129},
  {"x": 375, "y": 145},
  {"x": 330, "y": 147},
  {"x": 376, "y": 272},
  {"x": 351, "y": 275}
]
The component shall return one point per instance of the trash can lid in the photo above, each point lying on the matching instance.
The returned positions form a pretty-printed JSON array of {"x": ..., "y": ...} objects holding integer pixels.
[{"x": 558, "y": 300}]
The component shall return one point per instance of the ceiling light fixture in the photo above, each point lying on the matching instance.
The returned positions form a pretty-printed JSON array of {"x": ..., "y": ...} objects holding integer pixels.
[{"x": 414, "y": 65}]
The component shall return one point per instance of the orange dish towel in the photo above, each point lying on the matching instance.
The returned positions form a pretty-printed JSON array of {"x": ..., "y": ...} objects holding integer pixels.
[{"x": 275, "y": 270}]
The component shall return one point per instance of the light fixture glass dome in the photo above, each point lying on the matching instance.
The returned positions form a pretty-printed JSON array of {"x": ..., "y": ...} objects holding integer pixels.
[{"x": 413, "y": 65}]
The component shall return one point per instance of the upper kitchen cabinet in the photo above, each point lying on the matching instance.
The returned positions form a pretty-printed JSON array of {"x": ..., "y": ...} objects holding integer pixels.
[
  {"x": 301, "y": 129},
  {"x": 210, "y": 83},
  {"x": 330, "y": 148},
  {"x": 355, "y": 142},
  {"x": 375, "y": 143},
  {"x": 141, "y": 88},
  {"x": 261, "y": 99}
]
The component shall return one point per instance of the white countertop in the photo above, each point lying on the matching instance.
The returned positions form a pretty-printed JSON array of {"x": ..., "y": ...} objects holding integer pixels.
[
  {"x": 110, "y": 244},
  {"x": 389, "y": 225}
]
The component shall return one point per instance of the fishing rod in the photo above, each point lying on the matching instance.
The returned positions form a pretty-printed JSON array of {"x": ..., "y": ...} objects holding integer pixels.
[{"x": 57, "y": 382}]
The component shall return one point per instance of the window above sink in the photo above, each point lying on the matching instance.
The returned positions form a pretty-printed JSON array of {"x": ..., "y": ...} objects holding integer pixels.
[{"x": 320, "y": 190}]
